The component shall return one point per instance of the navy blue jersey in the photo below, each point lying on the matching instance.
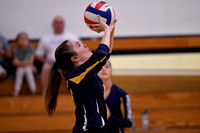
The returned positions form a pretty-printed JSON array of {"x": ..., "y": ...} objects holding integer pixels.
[
  {"x": 118, "y": 102},
  {"x": 87, "y": 90}
]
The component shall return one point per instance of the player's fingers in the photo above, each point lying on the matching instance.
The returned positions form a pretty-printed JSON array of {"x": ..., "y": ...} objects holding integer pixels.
[
  {"x": 98, "y": 30},
  {"x": 95, "y": 25},
  {"x": 113, "y": 25},
  {"x": 100, "y": 19},
  {"x": 95, "y": 29}
]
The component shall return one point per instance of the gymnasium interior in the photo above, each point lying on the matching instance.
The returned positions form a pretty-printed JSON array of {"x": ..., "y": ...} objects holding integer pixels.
[{"x": 155, "y": 59}]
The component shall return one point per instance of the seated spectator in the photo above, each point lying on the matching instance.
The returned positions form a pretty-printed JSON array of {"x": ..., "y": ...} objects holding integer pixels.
[
  {"x": 4, "y": 53},
  {"x": 48, "y": 44},
  {"x": 23, "y": 58},
  {"x": 118, "y": 103}
]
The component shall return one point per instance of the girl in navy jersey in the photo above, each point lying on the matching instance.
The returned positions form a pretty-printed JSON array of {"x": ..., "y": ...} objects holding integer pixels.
[
  {"x": 80, "y": 66},
  {"x": 118, "y": 102}
]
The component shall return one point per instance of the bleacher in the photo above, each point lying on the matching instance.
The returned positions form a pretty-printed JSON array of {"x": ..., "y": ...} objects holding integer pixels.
[
  {"x": 167, "y": 111},
  {"x": 173, "y": 102}
]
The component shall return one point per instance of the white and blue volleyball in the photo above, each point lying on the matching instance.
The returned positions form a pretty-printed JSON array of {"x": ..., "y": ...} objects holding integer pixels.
[{"x": 103, "y": 9}]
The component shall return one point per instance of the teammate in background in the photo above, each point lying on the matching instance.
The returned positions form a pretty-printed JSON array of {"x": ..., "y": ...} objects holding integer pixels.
[
  {"x": 118, "y": 102},
  {"x": 47, "y": 46},
  {"x": 80, "y": 66},
  {"x": 23, "y": 58}
]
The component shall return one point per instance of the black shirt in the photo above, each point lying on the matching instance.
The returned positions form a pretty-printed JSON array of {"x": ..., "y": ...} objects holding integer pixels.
[{"x": 87, "y": 90}]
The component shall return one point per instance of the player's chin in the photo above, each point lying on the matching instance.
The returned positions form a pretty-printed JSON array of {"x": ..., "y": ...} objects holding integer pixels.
[
  {"x": 90, "y": 52},
  {"x": 104, "y": 76}
]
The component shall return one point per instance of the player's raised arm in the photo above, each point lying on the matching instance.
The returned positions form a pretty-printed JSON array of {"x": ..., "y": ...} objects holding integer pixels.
[{"x": 108, "y": 36}]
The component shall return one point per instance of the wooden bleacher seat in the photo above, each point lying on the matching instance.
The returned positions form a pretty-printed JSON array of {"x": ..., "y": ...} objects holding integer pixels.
[
  {"x": 169, "y": 110},
  {"x": 7, "y": 87},
  {"x": 132, "y": 84},
  {"x": 145, "y": 43},
  {"x": 142, "y": 43},
  {"x": 13, "y": 44}
]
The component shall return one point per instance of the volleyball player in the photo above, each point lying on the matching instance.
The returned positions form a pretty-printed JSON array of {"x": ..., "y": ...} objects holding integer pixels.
[
  {"x": 80, "y": 67},
  {"x": 118, "y": 102}
]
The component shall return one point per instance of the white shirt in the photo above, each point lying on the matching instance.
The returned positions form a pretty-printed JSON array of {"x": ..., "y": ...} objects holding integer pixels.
[{"x": 48, "y": 44}]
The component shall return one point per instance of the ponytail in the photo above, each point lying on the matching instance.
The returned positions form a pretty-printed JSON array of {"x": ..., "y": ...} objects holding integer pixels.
[
  {"x": 52, "y": 91},
  {"x": 63, "y": 63}
]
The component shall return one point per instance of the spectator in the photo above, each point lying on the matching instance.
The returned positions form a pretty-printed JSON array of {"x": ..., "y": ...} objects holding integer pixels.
[
  {"x": 118, "y": 103},
  {"x": 23, "y": 58},
  {"x": 48, "y": 44},
  {"x": 4, "y": 53}
]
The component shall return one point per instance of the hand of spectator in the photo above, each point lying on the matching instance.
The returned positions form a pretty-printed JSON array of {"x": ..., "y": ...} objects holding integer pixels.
[{"x": 34, "y": 69}]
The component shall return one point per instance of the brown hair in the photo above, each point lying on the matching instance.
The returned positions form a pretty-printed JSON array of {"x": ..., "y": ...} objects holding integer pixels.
[
  {"x": 21, "y": 33},
  {"x": 63, "y": 64}
]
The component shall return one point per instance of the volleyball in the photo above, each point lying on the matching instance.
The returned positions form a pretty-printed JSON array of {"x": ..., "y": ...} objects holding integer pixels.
[{"x": 102, "y": 8}]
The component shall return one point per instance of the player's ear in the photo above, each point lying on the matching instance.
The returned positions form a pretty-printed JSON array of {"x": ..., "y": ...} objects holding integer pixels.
[{"x": 75, "y": 58}]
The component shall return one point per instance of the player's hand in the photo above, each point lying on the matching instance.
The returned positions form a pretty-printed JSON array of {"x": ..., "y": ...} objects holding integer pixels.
[{"x": 102, "y": 26}]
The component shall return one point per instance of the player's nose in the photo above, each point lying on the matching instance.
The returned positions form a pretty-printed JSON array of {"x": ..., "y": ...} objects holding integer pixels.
[{"x": 85, "y": 45}]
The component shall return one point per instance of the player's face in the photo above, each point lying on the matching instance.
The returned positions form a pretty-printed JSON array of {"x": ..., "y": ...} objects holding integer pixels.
[
  {"x": 82, "y": 50},
  {"x": 105, "y": 72}
]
